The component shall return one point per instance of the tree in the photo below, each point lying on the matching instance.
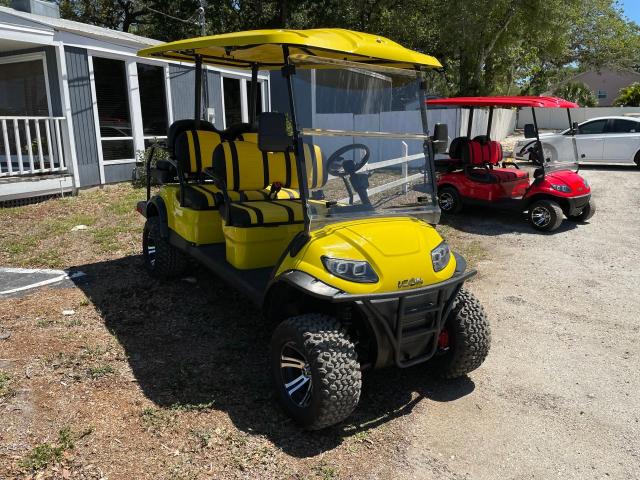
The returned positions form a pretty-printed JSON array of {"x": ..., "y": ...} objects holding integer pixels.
[
  {"x": 577, "y": 92},
  {"x": 118, "y": 14},
  {"x": 628, "y": 96}
]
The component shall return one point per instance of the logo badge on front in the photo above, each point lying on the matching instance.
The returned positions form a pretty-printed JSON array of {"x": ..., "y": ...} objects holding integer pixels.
[{"x": 410, "y": 282}]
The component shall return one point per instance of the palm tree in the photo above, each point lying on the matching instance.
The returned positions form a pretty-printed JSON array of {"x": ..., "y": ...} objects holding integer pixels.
[{"x": 577, "y": 92}]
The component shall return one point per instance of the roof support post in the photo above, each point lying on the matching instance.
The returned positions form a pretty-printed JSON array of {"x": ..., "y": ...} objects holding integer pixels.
[
  {"x": 288, "y": 70},
  {"x": 538, "y": 142},
  {"x": 253, "y": 93},
  {"x": 470, "y": 122},
  {"x": 489, "y": 122},
  {"x": 427, "y": 146},
  {"x": 197, "y": 114}
]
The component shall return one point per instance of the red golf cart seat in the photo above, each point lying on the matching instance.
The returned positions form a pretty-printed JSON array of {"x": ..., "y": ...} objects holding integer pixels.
[{"x": 487, "y": 154}]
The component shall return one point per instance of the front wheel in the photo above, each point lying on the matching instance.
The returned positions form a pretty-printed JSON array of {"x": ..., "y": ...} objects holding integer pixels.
[
  {"x": 587, "y": 212},
  {"x": 315, "y": 370},
  {"x": 465, "y": 340},
  {"x": 545, "y": 215}
]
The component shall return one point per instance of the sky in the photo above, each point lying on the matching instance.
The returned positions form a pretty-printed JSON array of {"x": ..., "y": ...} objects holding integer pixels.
[{"x": 632, "y": 9}]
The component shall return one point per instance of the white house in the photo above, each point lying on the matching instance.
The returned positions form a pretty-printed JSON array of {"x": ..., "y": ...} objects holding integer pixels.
[{"x": 76, "y": 104}]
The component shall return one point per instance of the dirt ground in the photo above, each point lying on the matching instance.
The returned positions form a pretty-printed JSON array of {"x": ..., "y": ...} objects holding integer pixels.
[{"x": 142, "y": 379}]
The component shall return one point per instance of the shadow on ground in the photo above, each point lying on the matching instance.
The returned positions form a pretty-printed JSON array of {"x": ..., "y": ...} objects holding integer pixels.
[
  {"x": 492, "y": 222},
  {"x": 192, "y": 344}
]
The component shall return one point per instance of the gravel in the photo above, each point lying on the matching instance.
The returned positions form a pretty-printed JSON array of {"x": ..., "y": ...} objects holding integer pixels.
[{"x": 558, "y": 394}]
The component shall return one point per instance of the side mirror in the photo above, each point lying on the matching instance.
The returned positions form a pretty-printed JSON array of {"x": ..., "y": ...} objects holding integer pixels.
[
  {"x": 440, "y": 137},
  {"x": 273, "y": 135},
  {"x": 574, "y": 127},
  {"x": 529, "y": 131}
]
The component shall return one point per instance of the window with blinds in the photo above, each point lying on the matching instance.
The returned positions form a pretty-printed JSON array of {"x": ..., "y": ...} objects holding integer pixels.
[
  {"x": 112, "y": 97},
  {"x": 153, "y": 101}
]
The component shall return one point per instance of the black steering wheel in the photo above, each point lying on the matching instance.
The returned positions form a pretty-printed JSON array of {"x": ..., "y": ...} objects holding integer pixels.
[{"x": 339, "y": 167}]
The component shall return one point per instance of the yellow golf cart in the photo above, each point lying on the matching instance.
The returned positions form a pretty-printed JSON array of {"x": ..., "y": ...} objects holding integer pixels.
[{"x": 321, "y": 211}]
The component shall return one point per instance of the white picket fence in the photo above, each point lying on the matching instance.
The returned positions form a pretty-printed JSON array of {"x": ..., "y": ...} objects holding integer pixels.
[
  {"x": 556, "y": 118},
  {"x": 31, "y": 145}
]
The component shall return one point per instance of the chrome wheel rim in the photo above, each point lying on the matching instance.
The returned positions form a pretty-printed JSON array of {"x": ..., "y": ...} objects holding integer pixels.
[
  {"x": 540, "y": 216},
  {"x": 446, "y": 201},
  {"x": 296, "y": 375}
]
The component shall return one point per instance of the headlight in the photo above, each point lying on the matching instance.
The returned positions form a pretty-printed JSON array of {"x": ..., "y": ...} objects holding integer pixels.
[
  {"x": 440, "y": 256},
  {"x": 561, "y": 188},
  {"x": 352, "y": 270}
]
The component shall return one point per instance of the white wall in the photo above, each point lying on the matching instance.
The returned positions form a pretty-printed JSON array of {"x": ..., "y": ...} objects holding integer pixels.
[
  {"x": 556, "y": 118},
  {"x": 408, "y": 122}
]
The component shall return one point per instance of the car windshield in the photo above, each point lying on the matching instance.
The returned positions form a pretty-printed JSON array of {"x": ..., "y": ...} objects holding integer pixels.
[{"x": 364, "y": 140}]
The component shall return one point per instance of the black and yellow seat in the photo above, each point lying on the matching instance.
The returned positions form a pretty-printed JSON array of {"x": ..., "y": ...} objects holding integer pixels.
[
  {"x": 193, "y": 150},
  {"x": 247, "y": 173}
]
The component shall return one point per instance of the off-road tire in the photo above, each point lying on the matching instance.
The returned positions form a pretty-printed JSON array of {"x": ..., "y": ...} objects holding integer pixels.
[
  {"x": 336, "y": 380},
  {"x": 554, "y": 211},
  {"x": 469, "y": 338},
  {"x": 451, "y": 194},
  {"x": 169, "y": 261},
  {"x": 587, "y": 212}
]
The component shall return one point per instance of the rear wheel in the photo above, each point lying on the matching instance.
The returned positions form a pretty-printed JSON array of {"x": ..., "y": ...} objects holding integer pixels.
[
  {"x": 315, "y": 370},
  {"x": 545, "y": 215},
  {"x": 587, "y": 212},
  {"x": 449, "y": 200},
  {"x": 161, "y": 259},
  {"x": 465, "y": 340},
  {"x": 637, "y": 159}
]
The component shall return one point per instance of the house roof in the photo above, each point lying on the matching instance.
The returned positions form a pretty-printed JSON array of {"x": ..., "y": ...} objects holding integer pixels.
[{"x": 82, "y": 29}]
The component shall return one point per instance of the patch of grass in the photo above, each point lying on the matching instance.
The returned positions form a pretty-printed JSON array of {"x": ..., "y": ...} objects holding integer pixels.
[
  {"x": 5, "y": 381},
  {"x": 64, "y": 224},
  {"x": 156, "y": 419},
  {"x": 203, "y": 437},
  {"x": 325, "y": 471},
  {"x": 47, "y": 454},
  {"x": 44, "y": 322},
  {"x": 100, "y": 371},
  {"x": 191, "y": 407}
]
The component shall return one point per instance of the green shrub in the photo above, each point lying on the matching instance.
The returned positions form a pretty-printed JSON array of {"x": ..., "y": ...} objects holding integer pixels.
[
  {"x": 139, "y": 177},
  {"x": 628, "y": 96}
]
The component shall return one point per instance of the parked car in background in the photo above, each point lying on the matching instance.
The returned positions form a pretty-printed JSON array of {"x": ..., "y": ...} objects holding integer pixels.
[{"x": 599, "y": 140}]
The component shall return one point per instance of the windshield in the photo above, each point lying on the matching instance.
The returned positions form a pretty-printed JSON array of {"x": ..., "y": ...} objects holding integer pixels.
[{"x": 364, "y": 140}]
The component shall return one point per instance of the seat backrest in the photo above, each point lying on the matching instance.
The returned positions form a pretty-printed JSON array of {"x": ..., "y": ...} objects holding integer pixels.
[
  {"x": 243, "y": 166},
  {"x": 194, "y": 150},
  {"x": 180, "y": 126},
  {"x": 456, "y": 147},
  {"x": 481, "y": 151}
]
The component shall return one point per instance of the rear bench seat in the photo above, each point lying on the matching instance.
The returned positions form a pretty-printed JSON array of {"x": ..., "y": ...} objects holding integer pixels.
[
  {"x": 193, "y": 150},
  {"x": 481, "y": 152}
]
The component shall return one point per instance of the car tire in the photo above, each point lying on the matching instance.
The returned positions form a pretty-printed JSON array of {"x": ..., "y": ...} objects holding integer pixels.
[
  {"x": 545, "y": 215},
  {"x": 449, "y": 200},
  {"x": 162, "y": 260},
  {"x": 315, "y": 370},
  {"x": 468, "y": 338},
  {"x": 587, "y": 212},
  {"x": 637, "y": 159}
]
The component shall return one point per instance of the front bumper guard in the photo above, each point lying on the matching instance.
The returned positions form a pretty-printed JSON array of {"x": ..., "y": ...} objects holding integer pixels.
[{"x": 409, "y": 320}]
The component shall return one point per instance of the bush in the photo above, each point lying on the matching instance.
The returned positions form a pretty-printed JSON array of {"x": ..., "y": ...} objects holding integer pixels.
[
  {"x": 139, "y": 176},
  {"x": 577, "y": 92},
  {"x": 628, "y": 96}
]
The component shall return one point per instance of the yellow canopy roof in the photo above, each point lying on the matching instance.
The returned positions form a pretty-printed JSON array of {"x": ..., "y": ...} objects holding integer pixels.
[{"x": 264, "y": 47}]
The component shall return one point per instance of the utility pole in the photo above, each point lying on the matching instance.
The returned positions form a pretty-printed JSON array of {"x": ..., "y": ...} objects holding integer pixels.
[{"x": 201, "y": 18}]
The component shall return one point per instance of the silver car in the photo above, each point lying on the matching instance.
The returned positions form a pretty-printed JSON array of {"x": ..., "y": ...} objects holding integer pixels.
[{"x": 598, "y": 140}]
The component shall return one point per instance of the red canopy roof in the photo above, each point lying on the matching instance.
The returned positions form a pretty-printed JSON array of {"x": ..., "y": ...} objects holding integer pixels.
[{"x": 504, "y": 102}]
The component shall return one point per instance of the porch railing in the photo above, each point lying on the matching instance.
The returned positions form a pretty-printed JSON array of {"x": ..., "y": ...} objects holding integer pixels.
[{"x": 31, "y": 145}]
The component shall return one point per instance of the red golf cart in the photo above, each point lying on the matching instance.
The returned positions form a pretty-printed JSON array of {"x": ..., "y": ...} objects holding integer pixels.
[{"x": 475, "y": 172}]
